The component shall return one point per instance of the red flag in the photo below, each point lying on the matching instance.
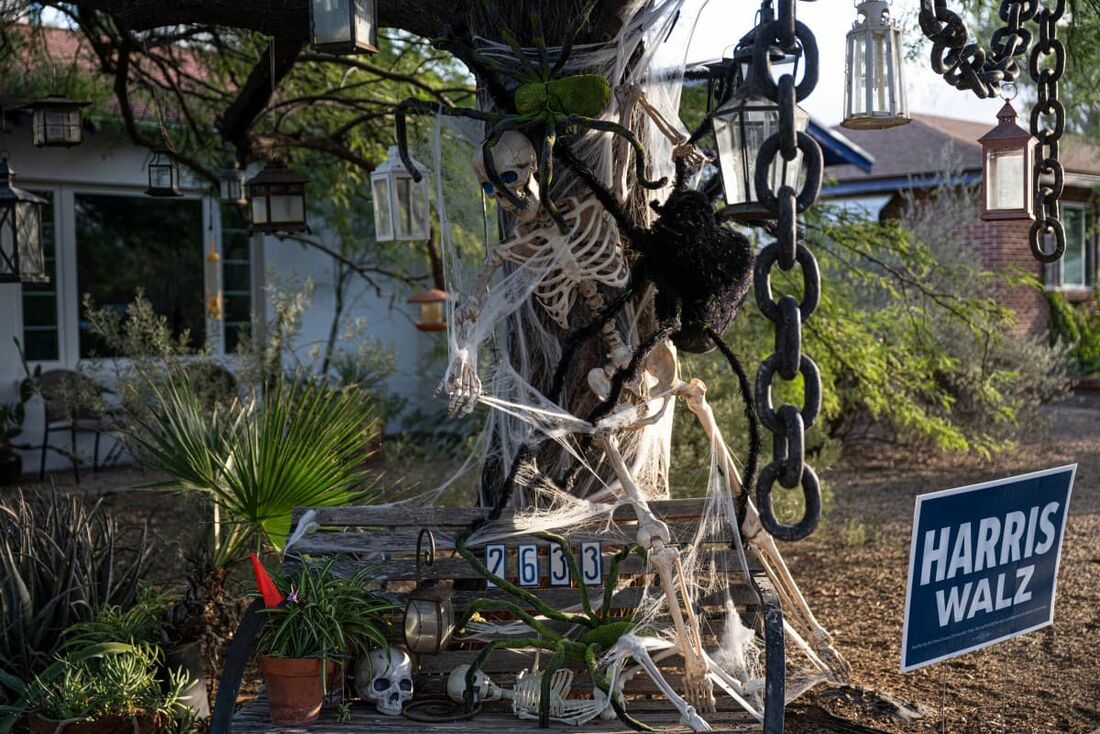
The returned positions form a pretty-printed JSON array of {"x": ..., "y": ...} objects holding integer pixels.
[{"x": 272, "y": 596}]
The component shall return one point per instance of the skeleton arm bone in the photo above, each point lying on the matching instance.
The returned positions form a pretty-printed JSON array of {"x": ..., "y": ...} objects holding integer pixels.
[{"x": 682, "y": 149}]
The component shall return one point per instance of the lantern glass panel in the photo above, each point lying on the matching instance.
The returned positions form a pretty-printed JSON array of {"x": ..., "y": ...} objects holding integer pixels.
[
  {"x": 28, "y": 224},
  {"x": 431, "y": 313},
  {"x": 411, "y": 207},
  {"x": 1005, "y": 178},
  {"x": 740, "y": 130},
  {"x": 383, "y": 221},
  {"x": 286, "y": 204},
  {"x": 259, "y": 205},
  {"x": 331, "y": 22},
  {"x": 365, "y": 24}
]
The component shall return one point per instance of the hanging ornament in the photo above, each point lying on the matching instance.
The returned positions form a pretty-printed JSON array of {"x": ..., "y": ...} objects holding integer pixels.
[
  {"x": 231, "y": 185},
  {"x": 431, "y": 309},
  {"x": 214, "y": 299},
  {"x": 343, "y": 26},
  {"x": 874, "y": 88},
  {"x": 1008, "y": 155},
  {"x": 741, "y": 125},
  {"x": 21, "y": 256},
  {"x": 164, "y": 175},
  {"x": 401, "y": 204},
  {"x": 278, "y": 197},
  {"x": 56, "y": 122}
]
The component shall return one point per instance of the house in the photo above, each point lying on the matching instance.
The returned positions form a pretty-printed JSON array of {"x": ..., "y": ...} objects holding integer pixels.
[{"x": 914, "y": 159}]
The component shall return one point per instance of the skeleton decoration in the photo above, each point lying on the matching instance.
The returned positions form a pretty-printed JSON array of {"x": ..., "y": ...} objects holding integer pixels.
[
  {"x": 385, "y": 679},
  {"x": 569, "y": 257}
]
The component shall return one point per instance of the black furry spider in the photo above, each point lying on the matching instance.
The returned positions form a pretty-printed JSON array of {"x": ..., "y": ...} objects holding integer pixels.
[{"x": 543, "y": 100}]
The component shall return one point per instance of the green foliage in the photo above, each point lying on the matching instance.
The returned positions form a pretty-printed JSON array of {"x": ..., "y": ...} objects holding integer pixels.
[
  {"x": 142, "y": 623},
  {"x": 1078, "y": 328},
  {"x": 61, "y": 562},
  {"x": 325, "y": 616},
  {"x": 124, "y": 682},
  {"x": 299, "y": 445}
]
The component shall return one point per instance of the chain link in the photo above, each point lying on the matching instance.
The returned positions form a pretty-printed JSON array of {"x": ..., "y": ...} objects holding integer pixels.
[
  {"x": 788, "y": 423},
  {"x": 966, "y": 65}
]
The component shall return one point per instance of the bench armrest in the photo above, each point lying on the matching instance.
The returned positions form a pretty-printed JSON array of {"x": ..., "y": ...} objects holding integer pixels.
[{"x": 236, "y": 658}]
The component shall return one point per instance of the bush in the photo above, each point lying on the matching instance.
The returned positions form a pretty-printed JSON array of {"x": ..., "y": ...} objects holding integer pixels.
[
  {"x": 62, "y": 561},
  {"x": 1077, "y": 329}
]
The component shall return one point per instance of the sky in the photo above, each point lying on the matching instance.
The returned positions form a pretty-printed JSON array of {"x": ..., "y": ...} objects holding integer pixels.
[{"x": 722, "y": 22}]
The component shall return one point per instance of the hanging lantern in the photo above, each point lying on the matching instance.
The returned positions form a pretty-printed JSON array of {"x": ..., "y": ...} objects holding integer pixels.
[
  {"x": 431, "y": 310},
  {"x": 401, "y": 205},
  {"x": 164, "y": 175},
  {"x": 874, "y": 89},
  {"x": 1008, "y": 155},
  {"x": 56, "y": 122},
  {"x": 231, "y": 185},
  {"x": 343, "y": 26},
  {"x": 429, "y": 614},
  {"x": 740, "y": 127},
  {"x": 278, "y": 197},
  {"x": 21, "y": 256}
]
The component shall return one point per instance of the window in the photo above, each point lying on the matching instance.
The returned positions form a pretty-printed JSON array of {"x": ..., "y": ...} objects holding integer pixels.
[
  {"x": 236, "y": 276},
  {"x": 1077, "y": 268},
  {"x": 40, "y": 333},
  {"x": 125, "y": 244}
]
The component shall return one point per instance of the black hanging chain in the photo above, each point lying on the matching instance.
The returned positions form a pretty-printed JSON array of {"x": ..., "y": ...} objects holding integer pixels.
[
  {"x": 788, "y": 423},
  {"x": 966, "y": 65}
]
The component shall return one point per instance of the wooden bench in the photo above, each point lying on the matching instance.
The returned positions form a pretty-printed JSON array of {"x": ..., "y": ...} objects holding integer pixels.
[{"x": 384, "y": 539}]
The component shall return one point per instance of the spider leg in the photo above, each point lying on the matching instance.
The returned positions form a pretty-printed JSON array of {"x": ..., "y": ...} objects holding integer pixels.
[
  {"x": 510, "y": 38},
  {"x": 570, "y": 37},
  {"x": 540, "y": 44},
  {"x": 546, "y": 175},
  {"x": 630, "y": 137},
  {"x": 575, "y": 572},
  {"x": 509, "y": 122},
  {"x": 422, "y": 107},
  {"x": 520, "y": 644},
  {"x": 503, "y": 605},
  {"x": 556, "y": 661},
  {"x": 613, "y": 578},
  {"x": 488, "y": 69},
  {"x": 526, "y": 596},
  {"x": 602, "y": 683}
]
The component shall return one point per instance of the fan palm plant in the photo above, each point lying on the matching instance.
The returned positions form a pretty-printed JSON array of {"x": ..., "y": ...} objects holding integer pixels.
[{"x": 302, "y": 444}]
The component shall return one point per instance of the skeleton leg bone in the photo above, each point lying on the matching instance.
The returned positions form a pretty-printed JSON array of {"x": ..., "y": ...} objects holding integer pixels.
[{"x": 632, "y": 645}]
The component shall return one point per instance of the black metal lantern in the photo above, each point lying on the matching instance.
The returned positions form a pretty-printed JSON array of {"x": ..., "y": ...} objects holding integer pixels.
[
  {"x": 231, "y": 185},
  {"x": 164, "y": 175},
  {"x": 343, "y": 26},
  {"x": 431, "y": 303},
  {"x": 278, "y": 200},
  {"x": 56, "y": 122},
  {"x": 874, "y": 89},
  {"x": 1008, "y": 155},
  {"x": 21, "y": 256},
  {"x": 429, "y": 614}
]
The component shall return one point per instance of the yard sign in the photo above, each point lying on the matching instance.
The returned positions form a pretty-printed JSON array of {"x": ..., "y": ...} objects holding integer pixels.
[{"x": 983, "y": 564}]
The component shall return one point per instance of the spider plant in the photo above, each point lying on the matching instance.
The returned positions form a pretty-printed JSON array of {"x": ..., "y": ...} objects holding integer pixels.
[
  {"x": 301, "y": 444},
  {"x": 324, "y": 615}
]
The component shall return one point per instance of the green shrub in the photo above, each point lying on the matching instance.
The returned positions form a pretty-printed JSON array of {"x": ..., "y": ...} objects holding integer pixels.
[
  {"x": 1078, "y": 328},
  {"x": 62, "y": 561}
]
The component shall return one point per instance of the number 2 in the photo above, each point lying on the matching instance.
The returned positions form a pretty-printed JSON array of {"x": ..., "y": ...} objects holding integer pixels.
[{"x": 495, "y": 561}]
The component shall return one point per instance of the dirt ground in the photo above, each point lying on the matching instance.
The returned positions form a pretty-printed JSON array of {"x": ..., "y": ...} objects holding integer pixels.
[{"x": 853, "y": 573}]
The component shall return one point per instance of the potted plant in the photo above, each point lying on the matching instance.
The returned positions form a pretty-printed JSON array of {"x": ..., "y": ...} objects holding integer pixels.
[
  {"x": 322, "y": 621},
  {"x": 100, "y": 688}
]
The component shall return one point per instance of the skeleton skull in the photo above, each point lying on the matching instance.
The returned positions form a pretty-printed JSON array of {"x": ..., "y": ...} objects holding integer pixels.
[
  {"x": 386, "y": 679},
  {"x": 515, "y": 160},
  {"x": 484, "y": 689}
]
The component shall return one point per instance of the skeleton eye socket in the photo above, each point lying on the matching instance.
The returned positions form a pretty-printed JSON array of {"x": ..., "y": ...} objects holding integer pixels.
[
  {"x": 381, "y": 684},
  {"x": 509, "y": 177},
  {"x": 488, "y": 188},
  {"x": 405, "y": 684}
]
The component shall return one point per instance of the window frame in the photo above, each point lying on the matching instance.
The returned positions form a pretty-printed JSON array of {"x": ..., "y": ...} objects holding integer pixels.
[{"x": 1054, "y": 278}]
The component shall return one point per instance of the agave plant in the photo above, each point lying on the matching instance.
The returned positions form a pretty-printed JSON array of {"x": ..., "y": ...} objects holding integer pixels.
[
  {"x": 61, "y": 562},
  {"x": 302, "y": 444}
]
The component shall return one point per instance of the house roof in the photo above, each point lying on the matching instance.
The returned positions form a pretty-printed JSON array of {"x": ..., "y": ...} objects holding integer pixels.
[{"x": 930, "y": 146}]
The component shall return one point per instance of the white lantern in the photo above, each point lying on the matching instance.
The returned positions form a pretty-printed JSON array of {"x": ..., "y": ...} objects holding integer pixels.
[
  {"x": 874, "y": 90},
  {"x": 278, "y": 200},
  {"x": 164, "y": 175},
  {"x": 231, "y": 185},
  {"x": 740, "y": 127},
  {"x": 1008, "y": 159},
  {"x": 343, "y": 26},
  {"x": 21, "y": 256},
  {"x": 56, "y": 122},
  {"x": 401, "y": 204}
]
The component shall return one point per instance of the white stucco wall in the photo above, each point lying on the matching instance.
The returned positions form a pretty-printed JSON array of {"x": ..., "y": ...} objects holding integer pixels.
[{"x": 106, "y": 164}]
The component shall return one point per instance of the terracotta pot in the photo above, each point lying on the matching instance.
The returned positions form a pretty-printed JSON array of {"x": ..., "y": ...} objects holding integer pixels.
[
  {"x": 105, "y": 725},
  {"x": 295, "y": 690}
]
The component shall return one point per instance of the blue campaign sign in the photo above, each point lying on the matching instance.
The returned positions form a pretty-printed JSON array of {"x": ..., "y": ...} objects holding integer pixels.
[{"x": 983, "y": 564}]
